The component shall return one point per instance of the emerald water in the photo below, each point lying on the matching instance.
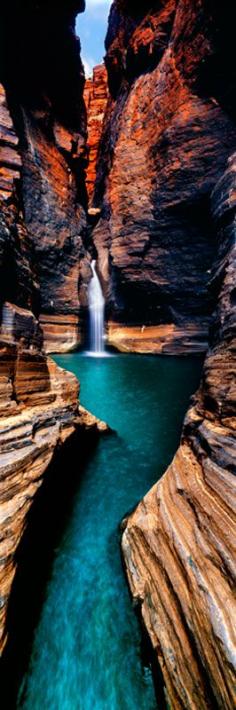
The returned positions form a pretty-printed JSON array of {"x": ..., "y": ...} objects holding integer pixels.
[{"x": 86, "y": 651}]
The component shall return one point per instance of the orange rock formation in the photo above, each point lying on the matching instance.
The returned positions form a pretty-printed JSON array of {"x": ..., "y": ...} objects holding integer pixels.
[
  {"x": 168, "y": 132},
  {"x": 96, "y": 97},
  {"x": 179, "y": 544}
]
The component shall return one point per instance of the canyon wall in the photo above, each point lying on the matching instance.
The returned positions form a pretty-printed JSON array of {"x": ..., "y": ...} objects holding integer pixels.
[
  {"x": 166, "y": 249},
  {"x": 96, "y": 98},
  {"x": 165, "y": 189},
  {"x": 164, "y": 202},
  {"x": 42, "y": 257},
  {"x": 179, "y": 544},
  {"x": 44, "y": 80},
  {"x": 168, "y": 131},
  {"x": 38, "y": 402}
]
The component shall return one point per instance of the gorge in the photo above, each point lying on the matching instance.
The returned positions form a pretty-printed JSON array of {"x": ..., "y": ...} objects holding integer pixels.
[
  {"x": 132, "y": 170},
  {"x": 86, "y": 650}
]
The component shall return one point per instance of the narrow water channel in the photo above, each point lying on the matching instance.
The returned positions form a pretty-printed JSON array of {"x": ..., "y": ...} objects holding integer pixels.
[{"x": 86, "y": 651}]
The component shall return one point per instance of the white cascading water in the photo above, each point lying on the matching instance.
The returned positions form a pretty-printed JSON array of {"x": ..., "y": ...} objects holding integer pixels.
[{"x": 96, "y": 314}]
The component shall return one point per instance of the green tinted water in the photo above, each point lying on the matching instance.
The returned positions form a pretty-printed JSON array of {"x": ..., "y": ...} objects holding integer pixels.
[{"x": 86, "y": 652}]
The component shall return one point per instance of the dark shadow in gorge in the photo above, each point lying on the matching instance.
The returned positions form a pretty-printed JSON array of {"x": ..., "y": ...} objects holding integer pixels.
[
  {"x": 148, "y": 655},
  {"x": 47, "y": 520}
]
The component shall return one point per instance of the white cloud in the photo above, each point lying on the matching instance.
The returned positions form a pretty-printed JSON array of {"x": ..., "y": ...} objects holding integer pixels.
[{"x": 88, "y": 63}]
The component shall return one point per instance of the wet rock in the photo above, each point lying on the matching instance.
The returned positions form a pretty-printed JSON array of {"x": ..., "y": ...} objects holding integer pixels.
[{"x": 90, "y": 421}]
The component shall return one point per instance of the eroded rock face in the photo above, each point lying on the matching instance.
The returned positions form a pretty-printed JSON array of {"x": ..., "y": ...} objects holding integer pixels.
[
  {"x": 179, "y": 544},
  {"x": 38, "y": 401},
  {"x": 44, "y": 79},
  {"x": 168, "y": 131},
  {"x": 10, "y": 158},
  {"x": 42, "y": 257},
  {"x": 96, "y": 97}
]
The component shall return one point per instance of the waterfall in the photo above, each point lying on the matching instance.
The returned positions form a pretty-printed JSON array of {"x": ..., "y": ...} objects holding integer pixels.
[{"x": 96, "y": 313}]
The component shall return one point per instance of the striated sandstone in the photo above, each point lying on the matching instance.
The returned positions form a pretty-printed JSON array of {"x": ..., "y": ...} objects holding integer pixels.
[
  {"x": 42, "y": 258},
  {"x": 89, "y": 421},
  {"x": 179, "y": 544},
  {"x": 159, "y": 339},
  {"x": 95, "y": 97},
  {"x": 168, "y": 131},
  {"x": 10, "y": 161},
  {"x": 17, "y": 277},
  {"x": 38, "y": 408},
  {"x": 62, "y": 333},
  {"x": 28, "y": 439},
  {"x": 43, "y": 75}
]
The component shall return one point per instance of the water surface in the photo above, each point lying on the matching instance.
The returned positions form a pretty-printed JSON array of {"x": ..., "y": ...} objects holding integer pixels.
[{"x": 86, "y": 652}]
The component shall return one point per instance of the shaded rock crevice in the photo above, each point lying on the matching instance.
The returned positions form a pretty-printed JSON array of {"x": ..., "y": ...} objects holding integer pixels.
[{"x": 35, "y": 554}]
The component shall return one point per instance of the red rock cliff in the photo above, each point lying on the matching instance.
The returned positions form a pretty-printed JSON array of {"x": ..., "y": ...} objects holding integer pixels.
[
  {"x": 96, "y": 97},
  {"x": 166, "y": 246},
  {"x": 168, "y": 132},
  {"x": 42, "y": 256},
  {"x": 44, "y": 79},
  {"x": 179, "y": 544},
  {"x": 38, "y": 402}
]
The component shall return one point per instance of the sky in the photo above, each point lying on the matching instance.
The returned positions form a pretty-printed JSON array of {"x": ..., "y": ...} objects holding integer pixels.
[{"x": 91, "y": 27}]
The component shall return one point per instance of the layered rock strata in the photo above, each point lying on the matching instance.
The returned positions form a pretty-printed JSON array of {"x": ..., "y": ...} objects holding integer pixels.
[
  {"x": 96, "y": 98},
  {"x": 44, "y": 78},
  {"x": 42, "y": 258},
  {"x": 35, "y": 413},
  {"x": 168, "y": 131},
  {"x": 179, "y": 544},
  {"x": 10, "y": 159},
  {"x": 43, "y": 415},
  {"x": 159, "y": 339}
]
